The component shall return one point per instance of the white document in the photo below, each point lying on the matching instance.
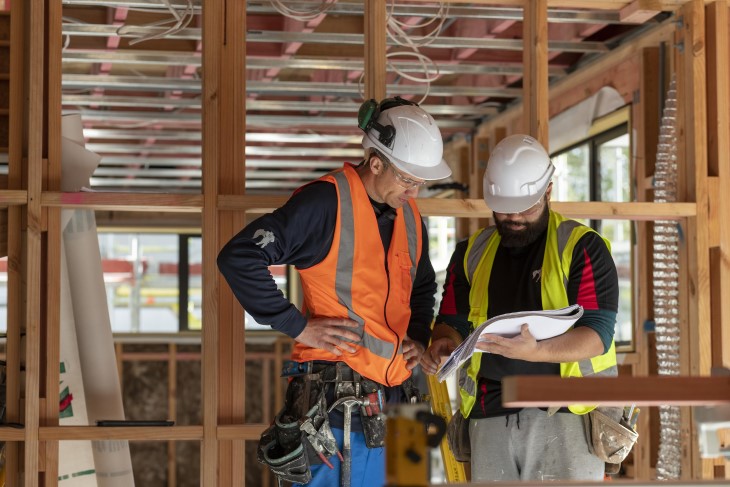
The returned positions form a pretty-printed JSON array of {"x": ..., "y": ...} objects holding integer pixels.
[{"x": 543, "y": 324}]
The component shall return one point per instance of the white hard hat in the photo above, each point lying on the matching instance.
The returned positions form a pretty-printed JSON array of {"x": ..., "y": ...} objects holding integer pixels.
[
  {"x": 518, "y": 174},
  {"x": 406, "y": 135}
]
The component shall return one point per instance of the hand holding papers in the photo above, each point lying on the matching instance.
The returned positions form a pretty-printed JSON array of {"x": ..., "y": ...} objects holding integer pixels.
[{"x": 543, "y": 324}]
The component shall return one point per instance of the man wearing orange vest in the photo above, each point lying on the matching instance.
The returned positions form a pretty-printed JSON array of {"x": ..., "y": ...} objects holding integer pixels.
[
  {"x": 361, "y": 249},
  {"x": 532, "y": 259}
]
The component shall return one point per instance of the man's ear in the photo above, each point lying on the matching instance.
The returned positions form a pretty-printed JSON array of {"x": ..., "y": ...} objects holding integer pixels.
[
  {"x": 549, "y": 190},
  {"x": 376, "y": 164}
]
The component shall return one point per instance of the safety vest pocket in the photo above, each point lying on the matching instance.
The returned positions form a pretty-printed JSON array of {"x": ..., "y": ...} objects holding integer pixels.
[{"x": 404, "y": 263}]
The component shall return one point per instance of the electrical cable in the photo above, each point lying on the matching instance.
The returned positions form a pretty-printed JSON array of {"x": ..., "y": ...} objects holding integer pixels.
[
  {"x": 181, "y": 19},
  {"x": 396, "y": 30},
  {"x": 306, "y": 14}
]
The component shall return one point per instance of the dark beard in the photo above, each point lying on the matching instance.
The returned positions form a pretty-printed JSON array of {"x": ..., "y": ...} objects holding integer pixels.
[{"x": 522, "y": 238}]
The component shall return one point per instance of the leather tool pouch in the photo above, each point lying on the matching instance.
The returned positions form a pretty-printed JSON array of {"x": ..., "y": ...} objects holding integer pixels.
[
  {"x": 457, "y": 434},
  {"x": 373, "y": 427},
  {"x": 609, "y": 436},
  {"x": 282, "y": 446}
]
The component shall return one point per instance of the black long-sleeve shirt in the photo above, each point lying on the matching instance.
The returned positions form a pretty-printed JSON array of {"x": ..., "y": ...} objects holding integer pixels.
[{"x": 300, "y": 233}]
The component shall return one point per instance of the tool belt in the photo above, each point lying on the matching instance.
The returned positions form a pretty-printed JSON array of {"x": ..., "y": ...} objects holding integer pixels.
[
  {"x": 301, "y": 434},
  {"x": 609, "y": 435}
]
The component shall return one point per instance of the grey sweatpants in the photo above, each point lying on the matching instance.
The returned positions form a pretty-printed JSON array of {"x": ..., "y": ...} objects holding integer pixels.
[{"x": 532, "y": 446}]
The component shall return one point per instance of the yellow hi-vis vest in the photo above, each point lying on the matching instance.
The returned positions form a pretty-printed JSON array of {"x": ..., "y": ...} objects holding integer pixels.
[{"x": 562, "y": 236}]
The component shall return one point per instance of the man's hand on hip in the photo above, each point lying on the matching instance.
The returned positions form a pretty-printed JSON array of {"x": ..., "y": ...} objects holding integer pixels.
[
  {"x": 331, "y": 334},
  {"x": 412, "y": 352}
]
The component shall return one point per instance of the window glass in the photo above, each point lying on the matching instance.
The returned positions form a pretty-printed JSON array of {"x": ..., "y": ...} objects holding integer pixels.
[
  {"x": 615, "y": 184},
  {"x": 195, "y": 282},
  {"x": 141, "y": 279},
  {"x": 598, "y": 169},
  {"x": 441, "y": 243},
  {"x": 279, "y": 273},
  {"x": 571, "y": 181}
]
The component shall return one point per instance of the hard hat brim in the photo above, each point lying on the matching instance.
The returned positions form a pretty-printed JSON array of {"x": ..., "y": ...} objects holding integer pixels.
[
  {"x": 439, "y": 171},
  {"x": 500, "y": 204}
]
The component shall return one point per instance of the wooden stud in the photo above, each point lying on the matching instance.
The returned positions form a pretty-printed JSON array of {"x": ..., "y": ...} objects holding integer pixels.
[
  {"x": 213, "y": 19},
  {"x": 698, "y": 327},
  {"x": 374, "y": 27},
  {"x": 644, "y": 121},
  {"x": 52, "y": 281},
  {"x": 535, "y": 76},
  {"x": 172, "y": 412},
  {"x": 32, "y": 257},
  {"x": 18, "y": 90},
  {"x": 718, "y": 136}
]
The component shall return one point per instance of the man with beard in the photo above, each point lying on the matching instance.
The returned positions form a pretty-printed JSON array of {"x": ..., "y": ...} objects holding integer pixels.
[{"x": 531, "y": 259}]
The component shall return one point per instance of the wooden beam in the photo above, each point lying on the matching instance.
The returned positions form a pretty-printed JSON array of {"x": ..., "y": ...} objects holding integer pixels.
[
  {"x": 543, "y": 391},
  {"x": 696, "y": 330},
  {"x": 231, "y": 175},
  {"x": 668, "y": 5},
  {"x": 477, "y": 208},
  {"x": 718, "y": 137},
  {"x": 18, "y": 94},
  {"x": 639, "y": 11},
  {"x": 213, "y": 44},
  {"x": 146, "y": 202},
  {"x": 535, "y": 71},
  {"x": 13, "y": 197},
  {"x": 136, "y": 433},
  {"x": 374, "y": 19},
  {"x": 596, "y": 69},
  {"x": 36, "y": 129},
  {"x": 50, "y": 351},
  {"x": 645, "y": 123}
]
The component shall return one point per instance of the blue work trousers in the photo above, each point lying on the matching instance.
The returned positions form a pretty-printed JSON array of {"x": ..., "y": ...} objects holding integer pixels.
[{"x": 367, "y": 465}]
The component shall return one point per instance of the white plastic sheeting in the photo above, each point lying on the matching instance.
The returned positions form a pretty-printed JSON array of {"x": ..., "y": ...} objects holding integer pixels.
[{"x": 97, "y": 368}]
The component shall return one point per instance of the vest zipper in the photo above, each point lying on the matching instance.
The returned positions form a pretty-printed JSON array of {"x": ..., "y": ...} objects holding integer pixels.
[{"x": 385, "y": 317}]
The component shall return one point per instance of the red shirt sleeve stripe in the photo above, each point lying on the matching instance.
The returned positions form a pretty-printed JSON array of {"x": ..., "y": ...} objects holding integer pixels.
[{"x": 587, "y": 290}]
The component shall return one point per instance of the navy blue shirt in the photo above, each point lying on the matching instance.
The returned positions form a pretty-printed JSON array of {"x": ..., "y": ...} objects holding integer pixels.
[{"x": 300, "y": 233}]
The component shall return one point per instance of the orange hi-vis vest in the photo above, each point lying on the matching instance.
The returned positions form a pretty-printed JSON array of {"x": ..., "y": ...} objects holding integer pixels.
[{"x": 353, "y": 282}]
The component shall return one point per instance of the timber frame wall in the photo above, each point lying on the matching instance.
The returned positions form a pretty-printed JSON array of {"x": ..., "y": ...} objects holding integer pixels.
[{"x": 698, "y": 54}]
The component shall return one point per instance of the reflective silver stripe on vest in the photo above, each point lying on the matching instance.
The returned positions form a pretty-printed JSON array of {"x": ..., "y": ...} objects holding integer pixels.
[
  {"x": 410, "y": 219},
  {"x": 565, "y": 229},
  {"x": 466, "y": 383},
  {"x": 343, "y": 277},
  {"x": 477, "y": 249},
  {"x": 586, "y": 369}
]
